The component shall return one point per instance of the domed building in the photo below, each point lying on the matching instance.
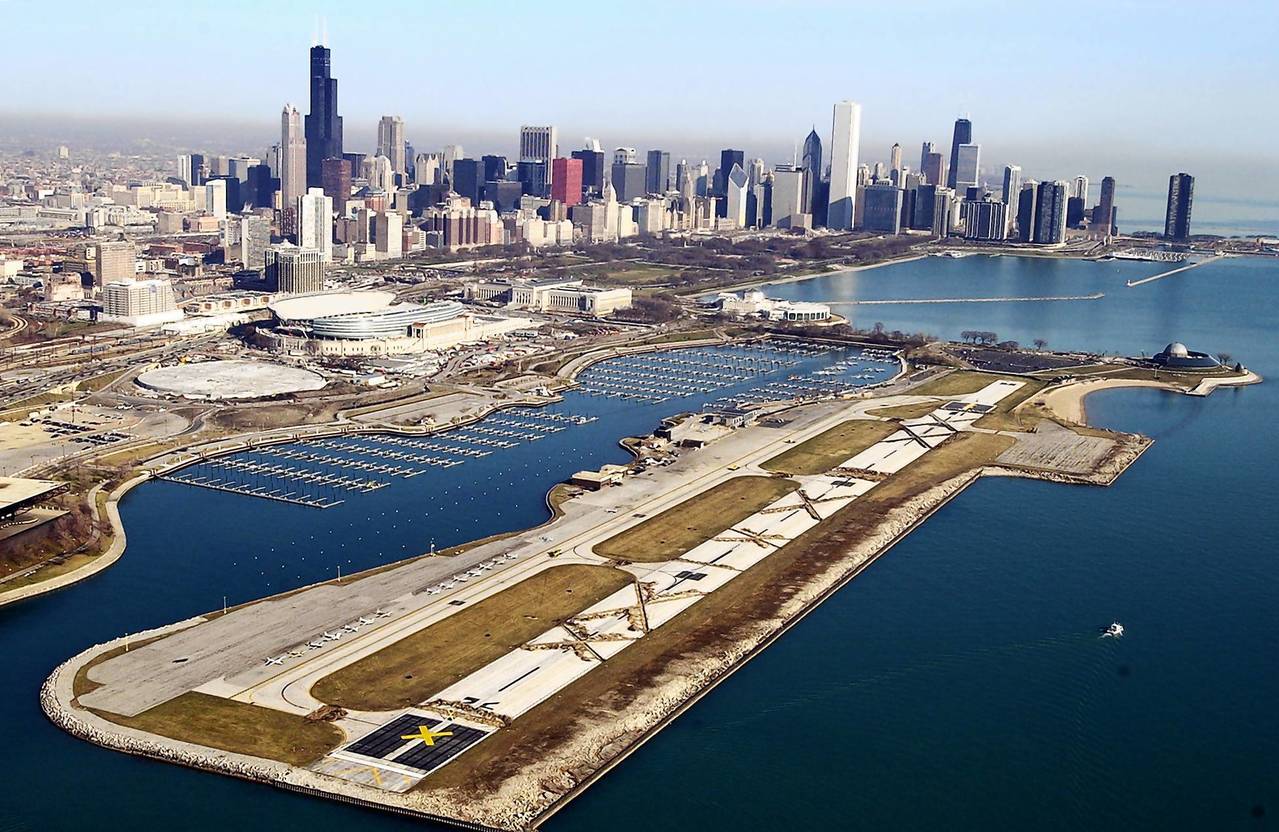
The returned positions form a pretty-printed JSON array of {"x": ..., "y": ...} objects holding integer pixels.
[{"x": 1176, "y": 356}]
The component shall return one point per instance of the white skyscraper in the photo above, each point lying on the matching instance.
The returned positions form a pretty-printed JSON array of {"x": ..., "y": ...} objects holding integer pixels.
[
  {"x": 1012, "y": 189},
  {"x": 426, "y": 168},
  {"x": 846, "y": 138},
  {"x": 1079, "y": 188},
  {"x": 735, "y": 194},
  {"x": 315, "y": 222},
  {"x": 215, "y": 197},
  {"x": 967, "y": 167},
  {"x": 390, "y": 142},
  {"x": 292, "y": 156},
  {"x": 788, "y": 189}
]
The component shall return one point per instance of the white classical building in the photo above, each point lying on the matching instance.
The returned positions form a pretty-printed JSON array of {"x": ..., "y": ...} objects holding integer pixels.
[
  {"x": 550, "y": 295},
  {"x": 753, "y": 302}
]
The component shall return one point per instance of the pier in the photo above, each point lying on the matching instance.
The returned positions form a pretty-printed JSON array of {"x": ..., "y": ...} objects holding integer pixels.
[
  {"x": 1093, "y": 296},
  {"x": 1132, "y": 283}
]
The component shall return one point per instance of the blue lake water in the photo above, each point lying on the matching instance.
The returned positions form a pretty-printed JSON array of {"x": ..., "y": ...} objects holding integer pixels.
[{"x": 958, "y": 684}]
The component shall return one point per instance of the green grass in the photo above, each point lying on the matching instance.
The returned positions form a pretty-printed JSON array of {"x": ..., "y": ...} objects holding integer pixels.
[
  {"x": 695, "y": 521},
  {"x": 423, "y": 663},
  {"x": 237, "y": 727},
  {"x": 829, "y": 448}
]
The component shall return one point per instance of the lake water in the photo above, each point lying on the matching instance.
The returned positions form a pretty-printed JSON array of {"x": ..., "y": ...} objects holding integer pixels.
[{"x": 957, "y": 684}]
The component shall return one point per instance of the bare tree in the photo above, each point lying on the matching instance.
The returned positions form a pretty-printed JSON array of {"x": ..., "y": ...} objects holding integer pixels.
[{"x": 1040, "y": 344}]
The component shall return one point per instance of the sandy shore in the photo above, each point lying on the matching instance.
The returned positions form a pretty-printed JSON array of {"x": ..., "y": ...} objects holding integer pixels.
[{"x": 1068, "y": 401}]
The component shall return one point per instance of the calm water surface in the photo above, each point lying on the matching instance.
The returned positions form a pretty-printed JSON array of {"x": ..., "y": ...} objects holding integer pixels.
[{"x": 958, "y": 684}]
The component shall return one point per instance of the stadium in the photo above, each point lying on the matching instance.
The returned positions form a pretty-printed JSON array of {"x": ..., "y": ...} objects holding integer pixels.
[{"x": 374, "y": 323}]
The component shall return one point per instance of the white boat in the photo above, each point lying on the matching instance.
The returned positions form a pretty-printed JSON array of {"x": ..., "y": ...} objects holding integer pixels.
[{"x": 1115, "y": 630}]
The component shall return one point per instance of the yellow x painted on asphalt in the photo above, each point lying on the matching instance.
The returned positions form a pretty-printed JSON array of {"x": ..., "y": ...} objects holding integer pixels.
[{"x": 426, "y": 735}]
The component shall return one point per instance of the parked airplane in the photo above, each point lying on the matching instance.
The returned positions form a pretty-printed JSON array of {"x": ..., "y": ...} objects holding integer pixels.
[
  {"x": 382, "y": 614},
  {"x": 366, "y": 621},
  {"x": 275, "y": 659},
  {"x": 332, "y": 636},
  {"x": 315, "y": 644}
]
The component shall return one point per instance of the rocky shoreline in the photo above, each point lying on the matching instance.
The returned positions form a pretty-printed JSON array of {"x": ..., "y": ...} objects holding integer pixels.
[{"x": 525, "y": 800}]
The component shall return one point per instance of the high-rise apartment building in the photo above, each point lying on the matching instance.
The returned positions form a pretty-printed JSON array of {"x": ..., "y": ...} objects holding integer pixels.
[
  {"x": 846, "y": 137},
  {"x": 1050, "y": 212},
  {"x": 658, "y": 176},
  {"x": 315, "y": 222},
  {"x": 323, "y": 124},
  {"x": 1079, "y": 188},
  {"x": 986, "y": 220},
  {"x": 963, "y": 135},
  {"x": 292, "y": 156},
  {"x": 252, "y": 233},
  {"x": 1103, "y": 213},
  {"x": 566, "y": 181},
  {"x": 1181, "y": 195},
  {"x": 1012, "y": 187},
  {"x": 388, "y": 235},
  {"x": 391, "y": 144},
  {"x": 139, "y": 302},
  {"x": 215, "y": 197}
]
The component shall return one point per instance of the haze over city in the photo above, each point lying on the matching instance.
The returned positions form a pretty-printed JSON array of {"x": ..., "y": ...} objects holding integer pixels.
[{"x": 1142, "y": 87}]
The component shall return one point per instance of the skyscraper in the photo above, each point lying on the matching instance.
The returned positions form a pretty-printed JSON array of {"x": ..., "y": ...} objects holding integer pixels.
[
  {"x": 963, "y": 135},
  {"x": 735, "y": 197},
  {"x": 927, "y": 149},
  {"x": 788, "y": 188},
  {"x": 1012, "y": 188},
  {"x": 390, "y": 142},
  {"x": 335, "y": 181},
  {"x": 846, "y": 137},
  {"x": 1079, "y": 187},
  {"x": 812, "y": 167},
  {"x": 934, "y": 169},
  {"x": 566, "y": 181},
  {"x": 968, "y": 171},
  {"x": 592, "y": 168},
  {"x": 1050, "y": 212},
  {"x": 323, "y": 124},
  {"x": 659, "y": 172},
  {"x": 883, "y": 209},
  {"x": 1181, "y": 193},
  {"x": 1103, "y": 213},
  {"x": 539, "y": 144},
  {"x": 292, "y": 156},
  {"x": 315, "y": 223},
  {"x": 466, "y": 180},
  {"x": 727, "y": 158},
  {"x": 895, "y": 158}
]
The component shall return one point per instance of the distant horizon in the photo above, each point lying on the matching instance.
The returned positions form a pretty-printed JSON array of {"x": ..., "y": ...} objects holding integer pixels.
[{"x": 1056, "y": 93}]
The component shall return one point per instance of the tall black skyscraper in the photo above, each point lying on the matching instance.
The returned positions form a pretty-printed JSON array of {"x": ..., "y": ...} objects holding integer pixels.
[
  {"x": 812, "y": 168},
  {"x": 323, "y": 124},
  {"x": 1181, "y": 193},
  {"x": 727, "y": 158},
  {"x": 659, "y": 171},
  {"x": 963, "y": 135}
]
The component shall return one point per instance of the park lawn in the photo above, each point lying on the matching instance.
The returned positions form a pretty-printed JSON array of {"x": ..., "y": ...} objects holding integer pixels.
[
  {"x": 831, "y": 447},
  {"x": 423, "y": 663},
  {"x": 237, "y": 727},
  {"x": 957, "y": 383},
  {"x": 696, "y": 520}
]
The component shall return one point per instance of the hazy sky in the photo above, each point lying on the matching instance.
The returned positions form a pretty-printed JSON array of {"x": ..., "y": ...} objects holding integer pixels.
[{"x": 1137, "y": 89}]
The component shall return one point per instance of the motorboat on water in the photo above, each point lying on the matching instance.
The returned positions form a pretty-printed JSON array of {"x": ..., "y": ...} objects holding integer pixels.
[{"x": 1115, "y": 630}]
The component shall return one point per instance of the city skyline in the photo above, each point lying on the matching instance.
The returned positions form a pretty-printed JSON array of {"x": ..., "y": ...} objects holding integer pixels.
[{"x": 1056, "y": 134}]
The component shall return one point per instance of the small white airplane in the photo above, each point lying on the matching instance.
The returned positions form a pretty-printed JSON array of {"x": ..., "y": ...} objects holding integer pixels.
[
  {"x": 275, "y": 659},
  {"x": 435, "y": 590},
  {"x": 449, "y": 585},
  {"x": 352, "y": 628},
  {"x": 295, "y": 653},
  {"x": 484, "y": 567},
  {"x": 365, "y": 621},
  {"x": 462, "y": 579},
  {"x": 382, "y": 614},
  {"x": 332, "y": 636},
  {"x": 510, "y": 556},
  {"x": 315, "y": 645}
]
